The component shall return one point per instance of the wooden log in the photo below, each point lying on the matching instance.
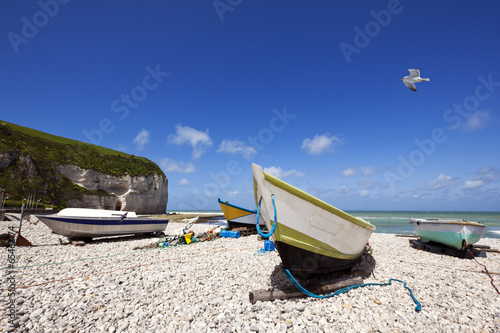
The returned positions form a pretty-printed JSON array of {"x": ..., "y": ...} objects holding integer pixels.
[
  {"x": 285, "y": 293},
  {"x": 491, "y": 250},
  {"x": 482, "y": 247}
]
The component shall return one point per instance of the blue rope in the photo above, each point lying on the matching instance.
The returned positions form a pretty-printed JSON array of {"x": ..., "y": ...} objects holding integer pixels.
[
  {"x": 289, "y": 275},
  {"x": 263, "y": 235}
]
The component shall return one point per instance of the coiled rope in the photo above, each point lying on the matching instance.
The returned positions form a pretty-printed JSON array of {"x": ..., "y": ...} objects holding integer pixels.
[
  {"x": 289, "y": 275},
  {"x": 273, "y": 228}
]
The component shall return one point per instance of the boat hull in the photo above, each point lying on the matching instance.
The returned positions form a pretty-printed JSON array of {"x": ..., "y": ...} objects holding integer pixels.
[
  {"x": 304, "y": 263},
  {"x": 311, "y": 236},
  {"x": 240, "y": 217},
  {"x": 454, "y": 234},
  {"x": 101, "y": 226}
]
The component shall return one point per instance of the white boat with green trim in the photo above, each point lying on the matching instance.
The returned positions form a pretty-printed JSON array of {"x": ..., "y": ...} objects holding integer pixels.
[
  {"x": 455, "y": 234},
  {"x": 311, "y": 236}
]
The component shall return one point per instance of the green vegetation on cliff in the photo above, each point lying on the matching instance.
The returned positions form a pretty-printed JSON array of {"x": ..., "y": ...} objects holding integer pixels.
[{"x": 28, "y": 159}]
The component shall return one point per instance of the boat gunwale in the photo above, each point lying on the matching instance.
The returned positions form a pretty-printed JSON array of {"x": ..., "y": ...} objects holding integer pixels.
[
  {"x": 237, "y": 207},
  {"x": 317, "y": 202},
  {"x": 451, "y": 222}
]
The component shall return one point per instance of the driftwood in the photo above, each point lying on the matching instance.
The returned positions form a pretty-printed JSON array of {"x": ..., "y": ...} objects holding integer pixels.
[
  {"x": 285, "y": 293},
  {"x": 482, "y": 247},
  {"x": 485, "y": 248},
  {"x": 491, "y": 250}
]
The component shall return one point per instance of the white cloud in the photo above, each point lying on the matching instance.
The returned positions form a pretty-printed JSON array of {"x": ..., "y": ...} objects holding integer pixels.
[
  {"x": 441, "y": 181},
  {"x": 169, "y": 165},
  {"x": 349, "y": 172},
  {"x": 473, "y": 184},
  {"x": 280, "y": 173},
  {"x": 476, "y": 121},
  {"x": 366, "y": 170},
  {"x": 142, "y": 139},
  {"x": 364, "y": 193},
  {"x": 320, "y": 144},
  {"x": 183, "y": 182},
  {"x": 482, "y": 177},
  {"x": 200, "y": 141},
  {"x": 487, "y": 174},
  {"x": 236, "y": 147}
]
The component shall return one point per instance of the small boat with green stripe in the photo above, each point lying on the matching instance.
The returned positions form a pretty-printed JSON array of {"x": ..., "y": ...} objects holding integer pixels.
[
  {"x": 457, "y": 234},
  {"x": 311, "y": 236}
]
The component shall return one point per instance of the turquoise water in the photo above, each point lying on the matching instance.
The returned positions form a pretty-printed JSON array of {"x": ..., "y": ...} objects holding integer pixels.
[{"x": 397, "y": 222}]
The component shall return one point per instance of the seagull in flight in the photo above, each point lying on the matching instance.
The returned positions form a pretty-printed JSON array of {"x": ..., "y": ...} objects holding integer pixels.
[{"x": 411, "y": 79}]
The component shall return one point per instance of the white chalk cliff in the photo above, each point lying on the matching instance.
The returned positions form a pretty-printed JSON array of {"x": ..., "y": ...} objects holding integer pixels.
[{"x": 141, "y": 194}]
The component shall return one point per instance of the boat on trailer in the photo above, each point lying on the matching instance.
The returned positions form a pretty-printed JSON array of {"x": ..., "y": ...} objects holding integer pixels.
[
  {"x": 240, "y": 217},
  {"x": 456, "y": 234},
  {"x": 86, "y": 223},
  {"x": 311, "y": 236}
]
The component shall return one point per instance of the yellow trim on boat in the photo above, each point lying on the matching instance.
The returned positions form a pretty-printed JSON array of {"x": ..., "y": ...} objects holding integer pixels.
[{"x": 295, "y": 238}]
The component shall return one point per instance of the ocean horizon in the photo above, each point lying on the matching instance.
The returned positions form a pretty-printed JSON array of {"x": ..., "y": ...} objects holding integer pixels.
[{"x": 398, "y": 222}]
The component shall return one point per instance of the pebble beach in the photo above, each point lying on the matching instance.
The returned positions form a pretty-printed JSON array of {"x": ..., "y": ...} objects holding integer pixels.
[{"x": 120, "y": 285}]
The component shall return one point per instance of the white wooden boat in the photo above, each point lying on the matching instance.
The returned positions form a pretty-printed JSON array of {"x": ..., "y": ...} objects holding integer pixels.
[
  {"x": 240, "y": 217},
  {"x": 311, "y": 236},
  {"x": 456, "y": 234},
  {"x": 87, "y": 223}
]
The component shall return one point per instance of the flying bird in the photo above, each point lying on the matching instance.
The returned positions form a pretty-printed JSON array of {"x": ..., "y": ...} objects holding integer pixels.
[{"x": 411, "y": 79}]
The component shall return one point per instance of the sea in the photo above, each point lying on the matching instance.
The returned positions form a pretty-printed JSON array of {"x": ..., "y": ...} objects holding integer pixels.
[{"x": 398, "y": 222}]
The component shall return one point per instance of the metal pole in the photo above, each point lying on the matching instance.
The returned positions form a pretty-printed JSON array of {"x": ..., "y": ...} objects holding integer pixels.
[
  {"x": 21, "y": 241},
  {"x": 21, "y": 219}
]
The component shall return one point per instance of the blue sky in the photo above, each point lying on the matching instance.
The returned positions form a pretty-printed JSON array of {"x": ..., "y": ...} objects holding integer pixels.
[{"x": 310, "y": 91}]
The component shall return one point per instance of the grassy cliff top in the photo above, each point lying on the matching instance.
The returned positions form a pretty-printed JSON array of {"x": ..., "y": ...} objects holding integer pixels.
[
  {"x": 28, "y": 160},
  {"x": 51, "y": 150}
]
